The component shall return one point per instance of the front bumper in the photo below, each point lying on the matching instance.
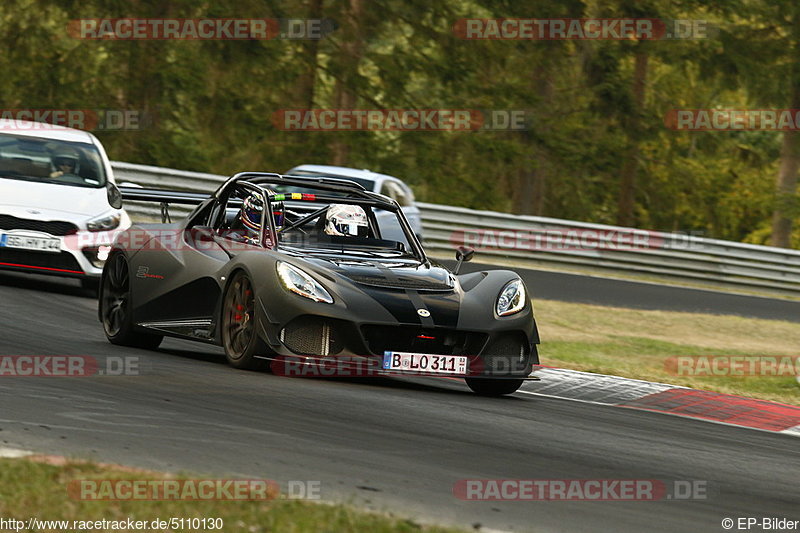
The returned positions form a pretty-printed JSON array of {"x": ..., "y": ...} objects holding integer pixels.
[
  {"x": 81, "y": 255},
  {"x": 311, "y": 345},
  {"x": 365, "y": 321}
]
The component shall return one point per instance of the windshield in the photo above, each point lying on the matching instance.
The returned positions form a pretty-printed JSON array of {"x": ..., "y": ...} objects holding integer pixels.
[
  {"x": 50, "y": 161},
  {"x": 341, "y": 229}
]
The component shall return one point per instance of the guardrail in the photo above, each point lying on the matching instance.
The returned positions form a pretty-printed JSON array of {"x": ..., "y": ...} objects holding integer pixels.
[
  {"x": 501, "y": 238},
  {"x": 162, "y": 178}
]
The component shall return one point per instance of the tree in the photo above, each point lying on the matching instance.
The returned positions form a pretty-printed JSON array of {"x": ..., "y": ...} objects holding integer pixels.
[{"x": 786, "y": 187}]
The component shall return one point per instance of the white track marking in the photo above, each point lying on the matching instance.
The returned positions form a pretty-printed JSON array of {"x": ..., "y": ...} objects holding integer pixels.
[{"x": 11, "y": 453}]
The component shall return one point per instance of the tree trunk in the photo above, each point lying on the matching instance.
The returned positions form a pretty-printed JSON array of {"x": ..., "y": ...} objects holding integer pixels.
[
  {"x": 306, "y": 81},
  {"x": 533, "y": 176},
  {"x": 626, "y": 201},
  {"x": 350, "y": 52},
  {"x": 786, "y": 184},
  {"x": 532, "y": 183}
]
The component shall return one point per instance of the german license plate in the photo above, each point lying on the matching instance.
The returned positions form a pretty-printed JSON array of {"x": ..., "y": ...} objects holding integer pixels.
[
  {"x": 42, "y": 244},
  {"x": 425, "y": 363}
]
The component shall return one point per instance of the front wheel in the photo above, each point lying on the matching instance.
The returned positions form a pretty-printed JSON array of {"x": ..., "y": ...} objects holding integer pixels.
[
  {"x": 493, "y": 387},
  {"x": 115, "y": 307},
  {"x": 239, "y": 335}
]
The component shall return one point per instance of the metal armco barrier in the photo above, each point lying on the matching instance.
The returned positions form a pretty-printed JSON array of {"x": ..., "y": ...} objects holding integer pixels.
[{"x": 548, "y": 242}]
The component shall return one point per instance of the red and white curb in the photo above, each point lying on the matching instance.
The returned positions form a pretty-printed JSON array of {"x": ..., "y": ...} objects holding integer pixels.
[{"x": 616, "y": 391}]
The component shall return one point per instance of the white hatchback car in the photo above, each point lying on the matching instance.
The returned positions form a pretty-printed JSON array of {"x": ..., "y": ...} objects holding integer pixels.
[
  {"x": 383, "y": 184},
  {"x": 59, "y": 206}
]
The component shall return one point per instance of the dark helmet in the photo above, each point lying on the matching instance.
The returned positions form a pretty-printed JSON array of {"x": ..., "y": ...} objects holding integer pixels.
[{"x": 251, "y": 213}]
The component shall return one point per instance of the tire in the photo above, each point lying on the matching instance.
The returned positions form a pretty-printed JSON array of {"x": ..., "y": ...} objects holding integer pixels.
[
  {"x": 115, "y": 307},
  {"x": 493, "y": 387},
  {"x": 503, "y": 358},
  {"x": 238, "y": 318}
]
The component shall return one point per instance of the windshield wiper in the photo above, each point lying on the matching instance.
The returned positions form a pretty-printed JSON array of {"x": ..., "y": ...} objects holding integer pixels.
[
  {"x": 39, "y": 179},
  {"x": 10, "y": 174}
]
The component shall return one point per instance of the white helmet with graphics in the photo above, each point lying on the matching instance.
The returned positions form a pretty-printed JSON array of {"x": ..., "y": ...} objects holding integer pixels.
[{"x": 346, "y": 220}]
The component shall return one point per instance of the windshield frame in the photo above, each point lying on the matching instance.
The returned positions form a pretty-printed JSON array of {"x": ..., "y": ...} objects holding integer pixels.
[{"x": 372, "y": 201}]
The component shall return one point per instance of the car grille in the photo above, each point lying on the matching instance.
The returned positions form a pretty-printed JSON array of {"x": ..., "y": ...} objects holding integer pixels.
[
  {"x": 43, "y": 260},
  {"x": 310, "y": 335},
  {"x": 401, "y": 283},
  {"x": 55, "y": 227},
  {"x": 439, "y": 341}
]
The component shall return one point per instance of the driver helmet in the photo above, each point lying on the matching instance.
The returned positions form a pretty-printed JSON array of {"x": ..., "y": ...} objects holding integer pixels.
[
  {"x": 346, "y": 220},
  {"x": 65, "y": 157},
  {"x": 253, "y": 209}
]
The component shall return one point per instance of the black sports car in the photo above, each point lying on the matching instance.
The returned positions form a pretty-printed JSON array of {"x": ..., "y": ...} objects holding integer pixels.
[{"x": 296, "y": 281}]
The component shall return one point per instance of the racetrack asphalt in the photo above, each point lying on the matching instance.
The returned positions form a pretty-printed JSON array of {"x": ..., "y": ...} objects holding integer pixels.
[{"x": 395, "y": 445}]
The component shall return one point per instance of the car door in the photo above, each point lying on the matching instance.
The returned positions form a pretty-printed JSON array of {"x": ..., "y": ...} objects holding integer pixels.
[{"x": 177, "y": 275}]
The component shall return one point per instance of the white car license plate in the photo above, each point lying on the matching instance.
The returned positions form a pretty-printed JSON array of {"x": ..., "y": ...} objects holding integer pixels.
[
  {"x": 42, "y": 244},
  {"x": 427, "y": 363}
]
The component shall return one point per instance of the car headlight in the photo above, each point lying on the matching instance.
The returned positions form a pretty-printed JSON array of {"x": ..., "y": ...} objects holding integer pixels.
[
  {"x": 300, "y": 282},
  {"x": 104, "y": 223},
  {"x": 512, "y": 298}
]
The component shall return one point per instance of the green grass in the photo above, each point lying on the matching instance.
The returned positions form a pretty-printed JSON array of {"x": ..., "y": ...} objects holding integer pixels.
[
  {"x": 30, "y": 488},
  {"x": 637, "y": 344}
]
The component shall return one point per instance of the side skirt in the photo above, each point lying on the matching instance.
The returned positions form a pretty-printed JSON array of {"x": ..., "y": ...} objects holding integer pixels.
[{"x": 198, "y": 329}]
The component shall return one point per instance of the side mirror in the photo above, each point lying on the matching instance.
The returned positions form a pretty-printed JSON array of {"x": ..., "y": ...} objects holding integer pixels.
[
  {"x": 202, "y": 234},
  {"x": 463, "y": 254},
  {"x": 114, "y": 196}
]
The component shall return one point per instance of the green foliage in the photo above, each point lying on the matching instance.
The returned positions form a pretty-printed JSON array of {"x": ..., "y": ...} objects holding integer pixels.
[{"x": 212, "y": 102}]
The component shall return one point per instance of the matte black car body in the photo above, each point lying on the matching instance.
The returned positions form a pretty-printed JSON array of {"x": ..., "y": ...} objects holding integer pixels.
[{"x": 179, "y": 275}]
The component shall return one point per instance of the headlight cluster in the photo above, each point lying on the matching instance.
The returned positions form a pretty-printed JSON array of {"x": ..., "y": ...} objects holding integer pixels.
[
  {"x": 103, "y": 223},
  {"x": 300, "y": 282},
  {"x": 512, "y": 298}
]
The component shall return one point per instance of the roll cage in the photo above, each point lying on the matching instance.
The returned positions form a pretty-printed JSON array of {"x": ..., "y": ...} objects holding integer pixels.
[{"x": 346, "y": 191}]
